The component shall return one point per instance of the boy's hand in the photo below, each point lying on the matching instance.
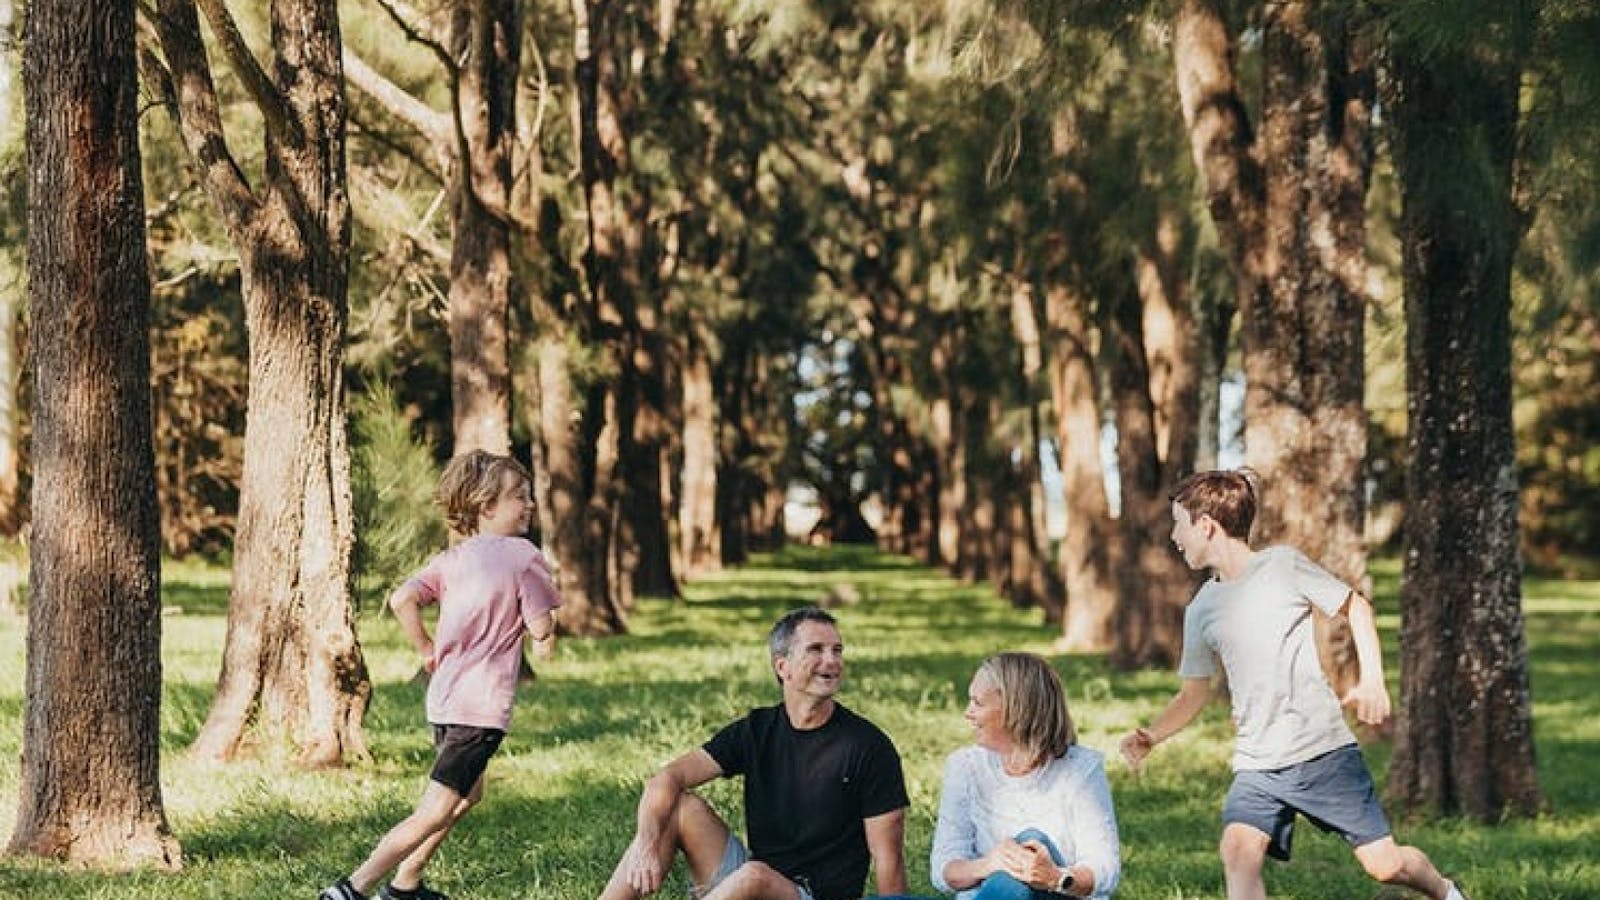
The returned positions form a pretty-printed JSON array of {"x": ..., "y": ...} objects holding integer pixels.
[
  {"x": 429, "y": 662},
  {"x": 1136, "y": 746},
  {"x": 1371, "y": 702}
]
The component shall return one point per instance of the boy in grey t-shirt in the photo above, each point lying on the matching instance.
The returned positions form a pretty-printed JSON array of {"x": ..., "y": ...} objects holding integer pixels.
[{"x": 1293, "y": 754}]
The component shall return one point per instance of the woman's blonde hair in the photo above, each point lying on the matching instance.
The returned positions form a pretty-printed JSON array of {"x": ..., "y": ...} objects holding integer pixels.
[
  {"x": 1034, "y": 704},
  {"x": 470, "y": 483}
]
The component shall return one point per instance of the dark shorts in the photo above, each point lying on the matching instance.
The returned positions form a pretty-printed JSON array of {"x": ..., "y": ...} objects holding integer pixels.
[
  {"x": 1334, "y": 791},
  {"x": 462, "y": 754}
]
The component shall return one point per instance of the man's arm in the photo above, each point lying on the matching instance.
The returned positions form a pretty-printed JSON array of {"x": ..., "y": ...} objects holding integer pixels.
[
  {"x": 1370, "y": 696},
  {"x": 1180, "y": 711},
  {"x": 886, "y": 842},
  {"x": 642, "y": 862}
]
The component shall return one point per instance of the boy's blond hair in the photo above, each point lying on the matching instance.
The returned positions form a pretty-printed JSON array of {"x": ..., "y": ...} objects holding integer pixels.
[
  {"x": 1228, "y": 496},
  {"x": 1034, "y": 704},
  {"x": 470, "y": 483}
]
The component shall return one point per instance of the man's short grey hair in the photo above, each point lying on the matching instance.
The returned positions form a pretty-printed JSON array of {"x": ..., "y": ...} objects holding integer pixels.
[{"x": 782, "y": 634}]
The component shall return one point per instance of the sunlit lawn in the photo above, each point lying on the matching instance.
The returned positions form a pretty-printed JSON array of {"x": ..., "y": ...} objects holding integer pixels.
[{"x": 606, "y": 712}]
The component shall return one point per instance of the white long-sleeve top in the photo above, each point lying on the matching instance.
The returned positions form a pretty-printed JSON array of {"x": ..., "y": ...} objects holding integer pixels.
[{"x": 1068, "y": 798}]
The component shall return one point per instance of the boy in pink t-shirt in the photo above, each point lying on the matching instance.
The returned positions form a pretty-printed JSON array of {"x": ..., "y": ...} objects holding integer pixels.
[{"x": 492, "y": 588}]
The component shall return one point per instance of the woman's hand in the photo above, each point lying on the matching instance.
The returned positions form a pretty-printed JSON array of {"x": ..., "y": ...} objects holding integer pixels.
[
  {"x": 1039, "y": 870},
  {"x": 1028, "y": 863}
]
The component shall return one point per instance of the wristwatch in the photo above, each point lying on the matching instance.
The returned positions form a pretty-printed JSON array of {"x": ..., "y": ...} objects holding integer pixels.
[{"x": 1064, "y": 883}]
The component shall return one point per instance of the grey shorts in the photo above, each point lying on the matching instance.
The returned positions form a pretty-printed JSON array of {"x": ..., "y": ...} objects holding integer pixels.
[
  {"x": 734, "y": 855},
  {"x": 1334, "y": 791}
]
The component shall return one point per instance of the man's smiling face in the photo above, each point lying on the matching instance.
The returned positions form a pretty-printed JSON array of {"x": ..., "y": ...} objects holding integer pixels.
[{"x": 814, "y": 665}]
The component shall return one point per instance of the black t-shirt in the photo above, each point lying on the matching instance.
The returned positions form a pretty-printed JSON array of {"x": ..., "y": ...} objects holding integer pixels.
[{"x": 807, "y": 792}]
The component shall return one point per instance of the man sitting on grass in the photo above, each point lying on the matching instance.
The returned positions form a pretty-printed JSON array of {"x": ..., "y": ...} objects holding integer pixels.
[{"x": 824, "y": 794}]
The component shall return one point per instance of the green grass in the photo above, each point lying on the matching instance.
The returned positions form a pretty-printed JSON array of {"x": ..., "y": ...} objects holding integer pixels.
[{"x": 607, "y": 712}]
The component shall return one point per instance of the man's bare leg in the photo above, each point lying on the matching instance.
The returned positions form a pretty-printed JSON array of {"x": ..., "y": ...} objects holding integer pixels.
[
  {"x": 755, "y": 881},
  {"x": 693, "y": 828}
]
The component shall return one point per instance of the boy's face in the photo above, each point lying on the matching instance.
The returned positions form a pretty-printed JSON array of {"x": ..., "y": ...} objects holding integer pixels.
[
  {"x": 511, "y": 510},
  {"x": 1191, "y": 536}
]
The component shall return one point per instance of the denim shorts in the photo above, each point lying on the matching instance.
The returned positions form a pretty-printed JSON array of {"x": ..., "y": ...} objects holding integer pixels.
[
  {"x": 1333, "y": 791},
  {"x": 734, "y": 855},
  {"x": 462, "y": 754}
]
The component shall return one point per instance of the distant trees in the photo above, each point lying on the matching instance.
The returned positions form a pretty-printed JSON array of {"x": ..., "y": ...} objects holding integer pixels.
[{"x": 90, "y": 791}]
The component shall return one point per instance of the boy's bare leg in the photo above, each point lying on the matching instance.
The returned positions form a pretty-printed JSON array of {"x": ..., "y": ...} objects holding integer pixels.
[
  {"x": 434, "y": 813},
  {"x": 1244, "y": 852},
  {"x": 1392, "y": 863},
  {"x": 696, "y": 829},
  {"x": 408, "y": 875}
]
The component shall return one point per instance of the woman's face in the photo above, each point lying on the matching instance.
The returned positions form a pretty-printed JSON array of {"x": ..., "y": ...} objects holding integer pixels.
[{"x": 986, "y": 714}]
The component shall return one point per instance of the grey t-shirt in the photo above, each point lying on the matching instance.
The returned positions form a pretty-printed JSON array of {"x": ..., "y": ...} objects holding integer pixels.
[{"x": 1259, "y": 626}]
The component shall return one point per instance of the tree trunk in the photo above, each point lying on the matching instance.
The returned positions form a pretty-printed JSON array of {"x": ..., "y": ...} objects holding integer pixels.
[
  {"x": 562, "y": 497},
  {"x": 11, "y": 507},
  {"x": 1290, "y": 213},
  {"x": 1465, "y": 741},
  {"x": 1153, "y": 584},
  {"x": 486, "y": 36},
  {"x": 90, "y": 790},
  {"x": 697, "y": 504},
  {"x": 644, "y": 391},
  {"x": 12, "y": 284},
  {"x": 292, "y": 667},
  {"x": 1085, "y": 549},
  {"x": 1172, "y": 349},
  {"x": 608, "y": 428}
]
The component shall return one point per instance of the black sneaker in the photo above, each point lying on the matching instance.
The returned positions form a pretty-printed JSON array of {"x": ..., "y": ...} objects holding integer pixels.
[
  {"x": 344, "y": 890},
  {"x": 420, "y": 892}
]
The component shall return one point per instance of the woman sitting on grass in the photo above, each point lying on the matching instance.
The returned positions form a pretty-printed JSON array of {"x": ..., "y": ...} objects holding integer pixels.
[{"x": 1026, "y": 813}]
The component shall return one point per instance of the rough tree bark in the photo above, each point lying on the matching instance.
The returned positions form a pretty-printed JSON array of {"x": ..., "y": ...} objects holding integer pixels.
[
  {"x": 1465, "y": 742},
  {"x": 292, "y": 667},
  {"x": 487, "y": 36},
  {"x": 1289, "y": 206},
  {"x": 90, "y": 790}
]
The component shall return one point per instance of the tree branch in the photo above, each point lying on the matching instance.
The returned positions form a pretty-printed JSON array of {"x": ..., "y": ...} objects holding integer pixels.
[
  {"x": 192, "y": 101},
  {"x": 404, "y": 16},
  {"x": 260, "y": 87},
  {"x": 433, "y": 125}
]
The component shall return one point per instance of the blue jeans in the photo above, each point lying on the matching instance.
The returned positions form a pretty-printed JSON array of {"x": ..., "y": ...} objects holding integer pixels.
[{"x": 1001, "y": 886}]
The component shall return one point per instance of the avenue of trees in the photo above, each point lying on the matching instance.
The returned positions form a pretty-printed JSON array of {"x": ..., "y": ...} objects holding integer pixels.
[{"x": 283, "y": 259}]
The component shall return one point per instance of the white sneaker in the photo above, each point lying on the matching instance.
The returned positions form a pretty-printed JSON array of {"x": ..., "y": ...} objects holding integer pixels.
[{"x": 1455, "y": 892}]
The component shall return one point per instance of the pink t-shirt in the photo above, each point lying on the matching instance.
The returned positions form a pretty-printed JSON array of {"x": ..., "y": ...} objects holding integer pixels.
[{"x": 489, "y": 589}]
